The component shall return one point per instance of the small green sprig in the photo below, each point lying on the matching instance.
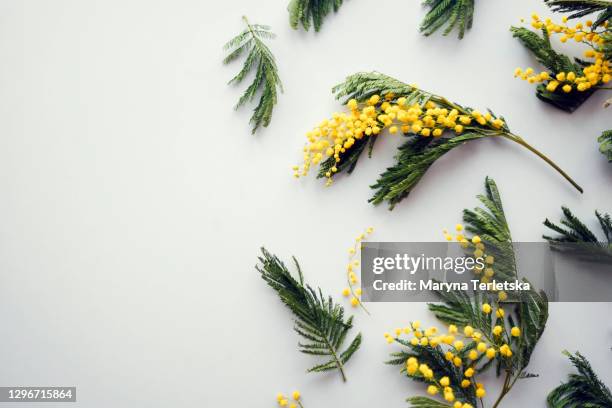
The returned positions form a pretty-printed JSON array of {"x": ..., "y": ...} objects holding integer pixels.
[
  {"x": 577, "y": 239},
  {"x": 259, "y": 58},
  {"x": 583, "y": 389},
  {"x": 581, "y": 8},
  {"x": 311, "y": 12},
  {"x": 605, "y": 144},
  {"x": 318, "y": 320},
  {"x": 454, "y": 14}
]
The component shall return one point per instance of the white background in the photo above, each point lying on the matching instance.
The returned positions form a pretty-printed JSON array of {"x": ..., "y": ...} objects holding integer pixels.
[{"x": 135, "y": 199}]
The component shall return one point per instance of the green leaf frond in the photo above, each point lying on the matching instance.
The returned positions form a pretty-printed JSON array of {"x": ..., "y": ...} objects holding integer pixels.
[
  {"x": 453, "y": 14},
  {"x": 318, "y": 320},
  {"x": 577, "y": 239},
  {"x": 311, "y": 12},
  {"x": 583, "y": 389},
  {"x": 424, "y": 402},
  {"x": 259, "y": 58},
  {"x": 414, "y": 159},
  {"x": 605, "y": 144},
  {"x": 542, "y": 50},
  {"x": 581, "y": 8}
]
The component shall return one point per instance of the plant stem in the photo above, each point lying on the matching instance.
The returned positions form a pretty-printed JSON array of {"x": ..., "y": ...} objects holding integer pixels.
[
  {"x": 519, "y": 140},
  {"x": 338, "y": 362}
]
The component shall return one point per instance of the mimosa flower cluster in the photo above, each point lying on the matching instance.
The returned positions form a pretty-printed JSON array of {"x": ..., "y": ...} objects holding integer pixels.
[
  {"x": 352, "y": 266},
  {"x": 478, "y": 250},
  {"x": 284, "y": 401},
  {"x": 464, "y": 350},
  {"x": 336, "y": 135},
  {"x": 598, "y": 72}
]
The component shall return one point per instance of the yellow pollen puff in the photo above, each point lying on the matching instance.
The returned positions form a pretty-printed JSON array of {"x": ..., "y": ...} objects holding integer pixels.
[
  {"x": 486, "y": 308},
  {"x": 469, "y": 372},
  {"x": 476, "y": 239},
  {"x": 480, "y": 392},
  {"x": 491, "y": 353},
  {"x": 296, "y": 395},
  {"x": 515, "y": 332},
  {"x": 468, "y": 331},
  {"x": 444, "y": 381},
  {"x": 432, "y": 390},
  {"x": 346, "y": 292},
  {"x": 457, "y": 361},
  {"x": 465, "y": 383},
  {"x": 473, "y": 355},
  {"x": 497, "y": 330},
  {"x": 499, "y": 313},
  {"x": 279, "y": 396},
  {"x": 354, "y": 301},
  {"x": 482, "y": 347}
]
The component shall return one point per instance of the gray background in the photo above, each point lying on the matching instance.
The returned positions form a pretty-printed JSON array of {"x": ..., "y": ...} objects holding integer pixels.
[{"x": 135, "y": 199}]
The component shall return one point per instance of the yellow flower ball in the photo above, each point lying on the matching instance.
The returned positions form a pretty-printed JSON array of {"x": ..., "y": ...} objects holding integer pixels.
[
  {"x": 296, "y": 395},
  {"x": 515, "y": 332}
]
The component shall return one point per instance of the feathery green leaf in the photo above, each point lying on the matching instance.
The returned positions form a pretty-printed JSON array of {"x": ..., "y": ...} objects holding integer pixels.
[
  {"x": 318, "y": 320},
  {"x": 311, "y": 12},
  {"x": 605, "y": 144},
  {"x": 452, "y": 13},
  {"x": 260, "y": 58},
  {"x": 577, "y": 239},
  {"x": 581, "y": 8},
  {"x": 582, "y": 390}
]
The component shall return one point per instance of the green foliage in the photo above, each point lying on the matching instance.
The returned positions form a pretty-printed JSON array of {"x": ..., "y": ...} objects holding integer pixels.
[
  {"x": 259, "y": 58},
  {"x": 424, "y": 402},
  {"x": 419, "y": 153},
  {"x": 453, "y": 14},
  {"x": 414, "y": 159},
  {"x": 311, "y": 12},
  {"x": 583, "y": 389},
  {"x": 581, "y": 8},
  {"x": 577, "y": 239},
  {"x": 555, "y": 62},
  {"x": 318, "y": 320},
  {"x": 605, "y": 144}
]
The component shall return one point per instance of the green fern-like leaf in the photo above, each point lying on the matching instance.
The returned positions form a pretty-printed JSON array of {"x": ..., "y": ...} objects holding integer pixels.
[
  {"x": 577, "y": 239},
  {"x": 424, "y": 402},
  {"x": 260, "y": 59},
  {"x": 583, "y": 389},
  {"x": 311, "y": 12},
  {"x": 453, "y": 14},
  {"x": 581, "y": 8},
  {"x": 318, "y": 320},
  {"x": 605, "y": 144}
]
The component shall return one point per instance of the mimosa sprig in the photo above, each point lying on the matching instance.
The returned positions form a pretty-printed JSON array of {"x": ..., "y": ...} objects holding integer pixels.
[{"x": 432, "y": 124}]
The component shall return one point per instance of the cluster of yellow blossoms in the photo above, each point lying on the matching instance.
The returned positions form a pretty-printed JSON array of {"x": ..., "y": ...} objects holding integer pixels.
[
  {"x": 485, "y": 274},
  {"x": 454, "y": 342},
  {"x": 597, "y": 73},
  {"x": 352, "y": 265},
  {"x": 284, "y": 401},
  {"x": 334, "y": 136}
]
